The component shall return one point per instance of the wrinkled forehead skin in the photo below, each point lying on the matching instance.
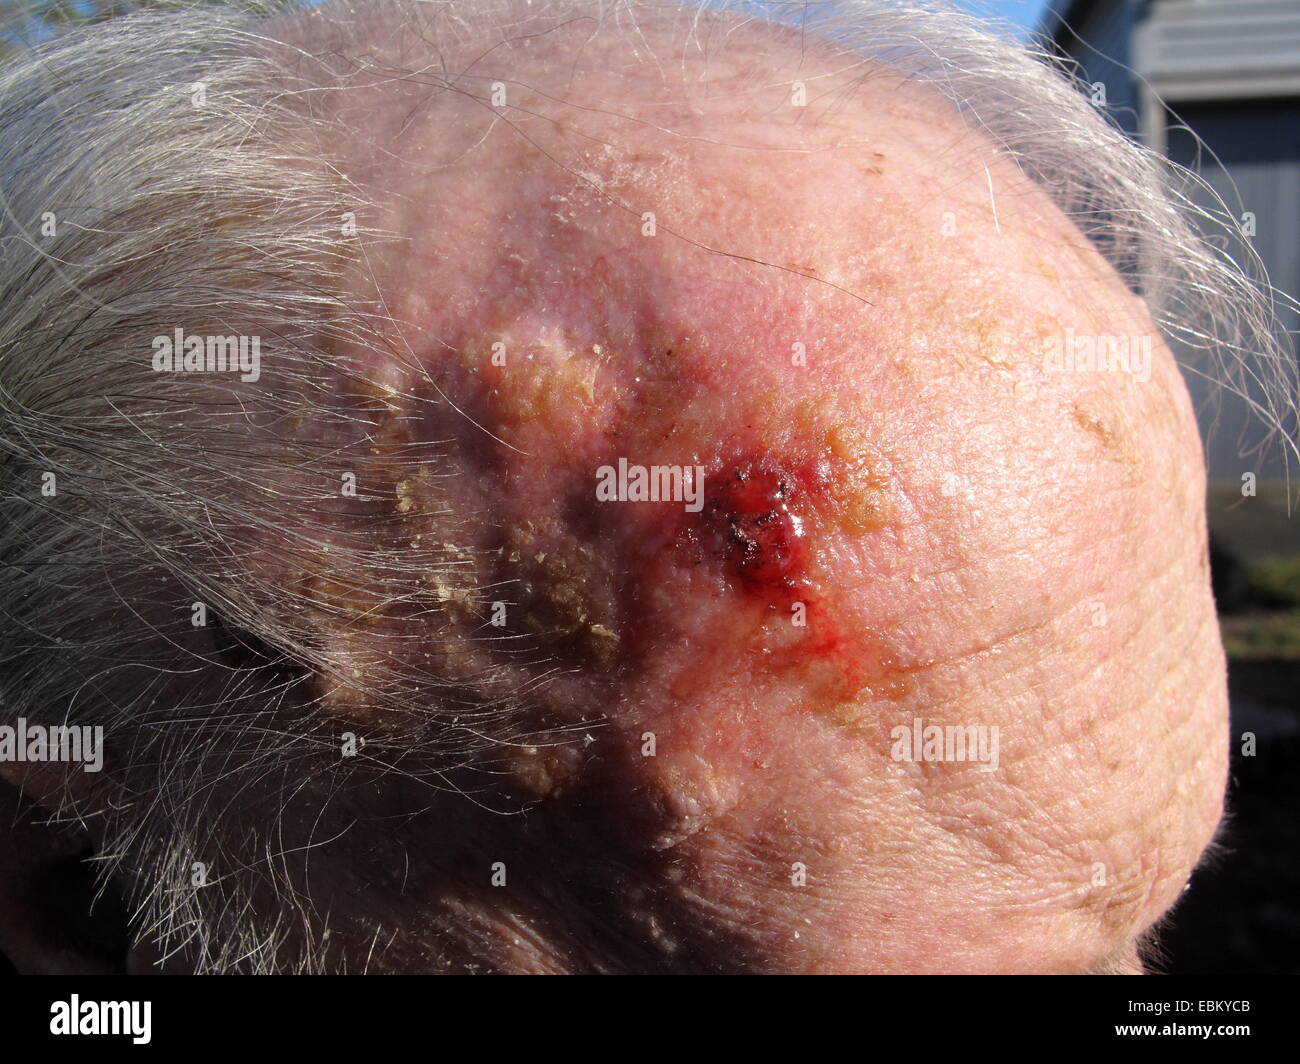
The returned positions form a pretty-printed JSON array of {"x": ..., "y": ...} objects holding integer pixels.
[{"x": 698, "y": 237}]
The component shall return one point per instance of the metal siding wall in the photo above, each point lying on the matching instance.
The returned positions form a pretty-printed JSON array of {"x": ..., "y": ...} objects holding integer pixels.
[
  {"x": 1221, "y": 36},
  {"x": 1107, "y": 29},
  {"x": 1259, "y": 144}
]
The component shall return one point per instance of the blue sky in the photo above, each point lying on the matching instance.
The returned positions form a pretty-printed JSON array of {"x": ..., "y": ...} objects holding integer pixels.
[{"x": 1024, "y": 13}]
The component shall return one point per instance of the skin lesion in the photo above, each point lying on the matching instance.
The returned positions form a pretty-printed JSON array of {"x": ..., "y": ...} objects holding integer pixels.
[
  {"x": 1107, "y": 426},
  {"x": 552, "y": 385},
  {"x": 566, "y": 593}
]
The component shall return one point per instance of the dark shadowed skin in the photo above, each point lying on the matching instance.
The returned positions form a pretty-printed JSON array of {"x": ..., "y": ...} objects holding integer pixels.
[{"x": 839, "y": 312}]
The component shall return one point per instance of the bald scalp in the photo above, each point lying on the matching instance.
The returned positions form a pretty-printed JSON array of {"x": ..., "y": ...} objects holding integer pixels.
[{"x": 929, "y": 279}]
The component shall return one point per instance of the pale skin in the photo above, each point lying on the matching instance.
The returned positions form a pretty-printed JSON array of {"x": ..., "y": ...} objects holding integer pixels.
[{"x": 855, "y": 294}]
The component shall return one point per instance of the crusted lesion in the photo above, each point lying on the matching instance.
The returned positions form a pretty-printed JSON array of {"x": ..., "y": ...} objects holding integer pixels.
[
  {"x": 550, "y": 380},
  {"x": 1103, "y": 423},
  {"x": 389, "y": 599},
  {"x": 566, "y": 593},
  {"x": 860, "y": 482}
]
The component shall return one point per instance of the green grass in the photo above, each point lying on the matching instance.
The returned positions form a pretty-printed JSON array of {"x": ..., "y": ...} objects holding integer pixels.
[
  {"x": 1275, "y": 582},
  {"x": 1259, "y": 636}
]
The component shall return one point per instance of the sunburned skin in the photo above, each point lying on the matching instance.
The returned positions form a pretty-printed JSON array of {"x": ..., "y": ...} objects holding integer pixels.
[{"x": 647, "y": 253}]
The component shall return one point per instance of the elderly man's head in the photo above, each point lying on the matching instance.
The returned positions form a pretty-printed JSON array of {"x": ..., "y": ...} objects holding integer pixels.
[{"x": 575, "y": 486}]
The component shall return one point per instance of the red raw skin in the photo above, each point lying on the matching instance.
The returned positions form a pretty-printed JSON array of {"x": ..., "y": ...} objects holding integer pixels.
[
  {"x": 752, "y": 521},
  {"x": 759, "y": 524}
]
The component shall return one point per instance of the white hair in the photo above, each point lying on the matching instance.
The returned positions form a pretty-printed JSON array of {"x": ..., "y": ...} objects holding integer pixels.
[{"x": 126, "y": 207}]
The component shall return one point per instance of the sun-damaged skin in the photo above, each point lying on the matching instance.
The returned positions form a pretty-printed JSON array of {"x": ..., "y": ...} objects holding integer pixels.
[{"x": 648, "y": 250}]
